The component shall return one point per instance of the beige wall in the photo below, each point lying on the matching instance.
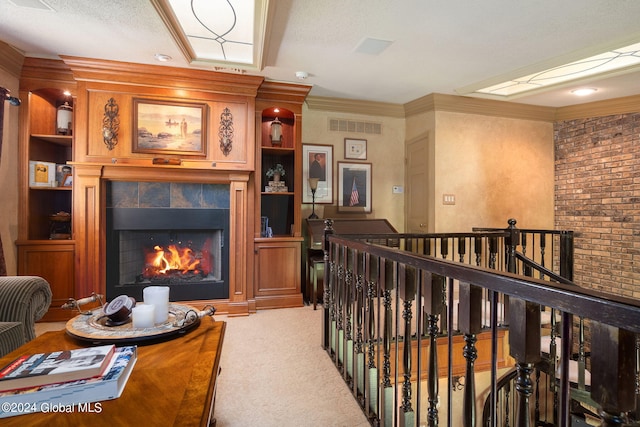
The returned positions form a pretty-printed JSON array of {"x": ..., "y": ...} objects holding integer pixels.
[
  {"x": 9, "y": 172},
  {"x": 497, "y": 168},
  {"x": 385, "y": 152}
]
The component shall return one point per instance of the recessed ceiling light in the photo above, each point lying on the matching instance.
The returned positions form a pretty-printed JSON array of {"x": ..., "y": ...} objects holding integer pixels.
[
  {"x": 162, "y": 57},
  {"x": 584, "y": 91}
]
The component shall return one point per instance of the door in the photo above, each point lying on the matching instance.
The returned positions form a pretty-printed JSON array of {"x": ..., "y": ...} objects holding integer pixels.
[{"x": 417, "y": 199}]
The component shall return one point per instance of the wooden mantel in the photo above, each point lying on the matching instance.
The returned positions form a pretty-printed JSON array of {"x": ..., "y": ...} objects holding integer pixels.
[{"x": 95, "y": 164}]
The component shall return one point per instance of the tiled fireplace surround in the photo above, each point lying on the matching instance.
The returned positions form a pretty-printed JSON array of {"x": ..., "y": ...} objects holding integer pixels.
[{"x": 141, "y": 215}]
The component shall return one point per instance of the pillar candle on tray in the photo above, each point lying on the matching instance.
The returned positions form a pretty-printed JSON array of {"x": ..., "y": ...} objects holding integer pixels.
[
  {"x": 143, "y": 316},
  {"x": 159, "y": 297}
]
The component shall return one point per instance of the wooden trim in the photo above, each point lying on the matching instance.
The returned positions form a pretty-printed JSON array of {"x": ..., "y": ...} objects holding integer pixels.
[
  {"x": 10, "y": 59},
  {"x": 38, "y": 73},
  {"x": 627, "y": 104},
  {"x": 96, "y": 70},
  {"x": 279, "y": 92},
  {"x": 487, "y": 107}
]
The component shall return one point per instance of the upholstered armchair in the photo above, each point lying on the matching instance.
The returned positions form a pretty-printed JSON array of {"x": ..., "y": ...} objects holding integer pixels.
[{"x": 23, "y": 301}]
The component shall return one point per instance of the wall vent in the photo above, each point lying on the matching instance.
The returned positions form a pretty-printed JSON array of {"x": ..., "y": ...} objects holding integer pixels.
[{"x": 343, "y": 125}]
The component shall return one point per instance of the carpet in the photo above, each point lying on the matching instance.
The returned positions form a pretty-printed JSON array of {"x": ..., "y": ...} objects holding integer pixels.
[{"x": 275, "y": 373}]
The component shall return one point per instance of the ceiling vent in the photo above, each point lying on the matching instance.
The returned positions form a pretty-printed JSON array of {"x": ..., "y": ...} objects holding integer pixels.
[{"x": 343, "y": 125}]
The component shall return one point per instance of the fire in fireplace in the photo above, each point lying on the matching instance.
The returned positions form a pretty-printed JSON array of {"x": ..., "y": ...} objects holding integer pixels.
[
  {"x": 177, "y": 262},
  {"x": 185, "y": 249}
]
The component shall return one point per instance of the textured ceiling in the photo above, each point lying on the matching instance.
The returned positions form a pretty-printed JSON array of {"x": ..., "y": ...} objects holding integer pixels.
[{"x": 438, "y": 46}]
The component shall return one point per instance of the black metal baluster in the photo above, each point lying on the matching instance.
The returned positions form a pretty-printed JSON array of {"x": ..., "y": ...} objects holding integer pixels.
[
  {"x": 493, "y": 251},
  {"x": 543, "y": 245},
  {"x": 328, "y": 291},
  {"x": 407, "y": 290},
  {"x": 433, "y": 292},
  {"x": 388, "y": 395},
  {"x": 358, "y": 363},
  {"x": 462, "y": 249},
  {"x": 371, "y": 380},
  {"x": 348, "y": 321},
  {"x": 340, "y": 309},
  {"x": 470, "y": 324},
  {"x": 478, "y": 249}
]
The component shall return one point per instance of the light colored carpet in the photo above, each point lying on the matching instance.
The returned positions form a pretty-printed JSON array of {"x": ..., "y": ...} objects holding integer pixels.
[{"x": 276, "y": 374}]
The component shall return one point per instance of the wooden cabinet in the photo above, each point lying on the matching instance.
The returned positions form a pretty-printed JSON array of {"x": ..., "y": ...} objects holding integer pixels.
[
  {"x": 45, "y": 241},
  {"x": 277, "y": 273},
  {"x": 54, "y": 261}
]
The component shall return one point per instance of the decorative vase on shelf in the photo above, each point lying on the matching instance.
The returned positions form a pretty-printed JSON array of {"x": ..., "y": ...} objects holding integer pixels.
[{"x": 276, "y": 177}]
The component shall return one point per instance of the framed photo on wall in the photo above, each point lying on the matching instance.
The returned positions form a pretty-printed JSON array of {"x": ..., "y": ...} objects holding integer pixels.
[
  {"x": 355, "y": 149},
  {"x": 317, "y": 162},
  {"x": 169, "y": 127},
  {"x": 354, "y": 187}
]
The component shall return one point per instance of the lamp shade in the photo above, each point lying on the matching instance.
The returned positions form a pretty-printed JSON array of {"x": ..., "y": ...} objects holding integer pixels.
[
  {"x": 313, "y": 183},
  {"x": 64, "y": 119},
  {"x": 276, "y": 132}
]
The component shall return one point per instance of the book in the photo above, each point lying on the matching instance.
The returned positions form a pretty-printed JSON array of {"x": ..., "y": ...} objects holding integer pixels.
[
  {"x": 47, "y": 368},
  {"x": 78, "y": 395},
  {"x": 42, "y": 174}
]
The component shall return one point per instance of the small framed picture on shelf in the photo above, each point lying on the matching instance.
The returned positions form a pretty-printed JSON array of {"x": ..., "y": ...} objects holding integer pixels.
[
  {"x": 317, "y": 162},
  {"x": 68, "y": 181},
  {"x": 354, "y": 187},
  {"x": 62, "y": 173},
  {"x": 42, "y": 174},
  {"x": 355, "y": 149}
]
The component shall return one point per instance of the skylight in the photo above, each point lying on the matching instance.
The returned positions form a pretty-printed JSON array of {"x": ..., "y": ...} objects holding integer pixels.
[
  {"x": 227, "y": 33},
  {"x": 608, "y": 62}
]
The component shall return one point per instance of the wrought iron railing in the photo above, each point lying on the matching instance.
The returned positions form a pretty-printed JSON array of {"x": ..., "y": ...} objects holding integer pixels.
[{"x": 394, "y": 314}]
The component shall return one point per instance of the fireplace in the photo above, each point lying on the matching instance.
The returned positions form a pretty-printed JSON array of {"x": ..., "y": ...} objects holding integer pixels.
[{"x": 181, "y": 247}]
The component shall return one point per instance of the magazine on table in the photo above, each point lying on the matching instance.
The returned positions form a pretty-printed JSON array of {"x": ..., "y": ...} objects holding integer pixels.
[
  {"x": 75, "y": 395},
  {"x": 54, "y": 367}
]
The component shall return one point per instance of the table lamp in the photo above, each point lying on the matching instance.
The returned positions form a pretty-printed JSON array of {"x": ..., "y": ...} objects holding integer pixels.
[{"x": 313, "y": 184}]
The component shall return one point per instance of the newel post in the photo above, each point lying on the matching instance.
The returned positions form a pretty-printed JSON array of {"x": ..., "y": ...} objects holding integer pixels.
[
  {"x": 613, "y": 382},
  {"x": 511, "y": 243}
]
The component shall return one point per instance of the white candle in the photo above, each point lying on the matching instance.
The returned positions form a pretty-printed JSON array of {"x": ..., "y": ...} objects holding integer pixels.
[
  {"x": 143, "y": 316},
  {"x": 159, "y": 297}
]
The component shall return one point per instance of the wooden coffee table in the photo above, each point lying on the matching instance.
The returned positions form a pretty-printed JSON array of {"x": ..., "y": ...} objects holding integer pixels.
[{"x": 172, "y": 384}]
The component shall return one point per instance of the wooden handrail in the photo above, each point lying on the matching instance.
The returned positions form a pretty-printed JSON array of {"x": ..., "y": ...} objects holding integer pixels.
[{"x": 379, "y": 299}]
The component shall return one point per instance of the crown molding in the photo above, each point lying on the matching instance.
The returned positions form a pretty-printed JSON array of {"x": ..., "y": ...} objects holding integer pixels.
[
  {"x": 106, "y": 71},
  {"x": 11, "y": 60},
  {"x": 487, "y": 107},
  {"x": 354, "y": 106},
  {"x": 608, "y": 107},
  {"x": 469, "y": 105}
]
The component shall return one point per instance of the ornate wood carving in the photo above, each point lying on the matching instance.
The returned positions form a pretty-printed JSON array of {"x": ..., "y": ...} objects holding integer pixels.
[
  {"x": 111, "y": 124},
  {"x": 225, "y": 132}
]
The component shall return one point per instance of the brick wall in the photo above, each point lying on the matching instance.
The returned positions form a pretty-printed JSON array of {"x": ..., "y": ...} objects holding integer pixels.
[{"x": 597, "y": 194}]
